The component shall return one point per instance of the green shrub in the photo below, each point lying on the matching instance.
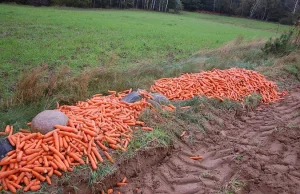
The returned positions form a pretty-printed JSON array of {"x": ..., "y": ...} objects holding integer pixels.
[{"x": 279, "y": 46}]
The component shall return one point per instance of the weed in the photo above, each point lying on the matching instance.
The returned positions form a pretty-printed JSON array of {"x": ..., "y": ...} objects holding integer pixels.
[
  {"x": 234, "y": 186},
  {"x": 143, "y": 139},
  {"x": 103, "y": 169},
  {"x": 252, "y": 100},
  {"x": 293, "y": 69},
  {"x": 281, "y": 45},
  {"x": 239, "y": 157}
]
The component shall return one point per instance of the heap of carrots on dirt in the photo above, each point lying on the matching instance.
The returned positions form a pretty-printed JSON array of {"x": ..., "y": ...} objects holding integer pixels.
[
  {"x": 94, "y": 126},
  {"x": 104, "y": 122},
  {"x": 234, "y": 83}
]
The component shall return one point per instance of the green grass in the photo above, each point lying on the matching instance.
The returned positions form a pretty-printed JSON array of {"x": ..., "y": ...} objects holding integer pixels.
[{"x": 82, "y": 38}]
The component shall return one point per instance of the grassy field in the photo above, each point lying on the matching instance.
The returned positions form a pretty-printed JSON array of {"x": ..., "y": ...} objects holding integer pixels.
[{"x": 78, "y": 38}]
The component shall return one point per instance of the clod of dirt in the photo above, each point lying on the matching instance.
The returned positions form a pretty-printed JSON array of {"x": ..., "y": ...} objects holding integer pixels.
[{"x": 44, "y": 122}]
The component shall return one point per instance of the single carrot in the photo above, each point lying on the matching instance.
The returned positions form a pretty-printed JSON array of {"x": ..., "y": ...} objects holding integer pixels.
[
  {"x": 15, "y": 185},
  {"x": 35, "y": 188},
  {"x": 87, "y": 131},
  {"x": 26, "y": 181},
  {"x": 57, "y": 173},
  {"x": 196, "y": 157},
  {"x": 48, "y": 180},
  {"x": 20, "y": 178},
  {"x": 11, "y": 187},
  {"x": 19, "y": 156},
  {"x": 103, "y": 147},
  {"x": 108, "y": 157},
  {"x": 147, "y": 128},
  {"x": 56, "y": 151},
  {"x": 56, "y": 140},
  {"x": 66, "y": 128},
  {"x": 7, "y": 173},
  {"x": 110, "y": 191},
  {"x": 97, "y": 154},
  {"x": 70, "y": 134},
  {"x": 183, "y": 133},
  {"x": 38, "y": 176},
  {"x": 73, "y": 155},
  {"x": 92, "y": 161}
]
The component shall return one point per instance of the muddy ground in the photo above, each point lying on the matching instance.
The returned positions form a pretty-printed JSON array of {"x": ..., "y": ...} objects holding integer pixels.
[{"x": 254, "y": 152}]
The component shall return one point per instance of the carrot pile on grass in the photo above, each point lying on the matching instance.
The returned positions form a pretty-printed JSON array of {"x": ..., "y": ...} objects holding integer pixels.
[
  {"x": 234, "y": 83},
  {"x": 104, "y": 122},
  {"x": 94, "y": 126}
]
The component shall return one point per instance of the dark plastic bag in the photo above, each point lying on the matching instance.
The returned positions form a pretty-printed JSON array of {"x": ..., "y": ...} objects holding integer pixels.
[
  {"x": 132, "y": 97},
  {"x": 5, "y": 147},
  {"x": 161, "y": 99}
]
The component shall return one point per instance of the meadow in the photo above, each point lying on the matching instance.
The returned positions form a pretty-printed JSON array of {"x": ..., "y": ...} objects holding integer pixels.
[{"x": 81, "y": 38}]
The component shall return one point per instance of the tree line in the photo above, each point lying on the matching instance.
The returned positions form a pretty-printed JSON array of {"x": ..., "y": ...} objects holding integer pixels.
[{"x": 283, "y": 11}]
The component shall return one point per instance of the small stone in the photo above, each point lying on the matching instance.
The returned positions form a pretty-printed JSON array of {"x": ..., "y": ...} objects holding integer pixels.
[{"x": 44, "y": 122}]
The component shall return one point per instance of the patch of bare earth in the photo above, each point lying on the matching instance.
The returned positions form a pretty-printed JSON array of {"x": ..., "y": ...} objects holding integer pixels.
[{"x": 256, "y": 152}]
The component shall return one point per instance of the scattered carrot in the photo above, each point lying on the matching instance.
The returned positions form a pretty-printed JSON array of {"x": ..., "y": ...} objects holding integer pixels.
[
  {"x": 196, "y": 157},
  {"x": 183, "y": 133},
  {"x": 110, "y": 191}
]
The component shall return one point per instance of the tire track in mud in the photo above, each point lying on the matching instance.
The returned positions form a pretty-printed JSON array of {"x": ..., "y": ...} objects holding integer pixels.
[{"x": 256, "y": 153}]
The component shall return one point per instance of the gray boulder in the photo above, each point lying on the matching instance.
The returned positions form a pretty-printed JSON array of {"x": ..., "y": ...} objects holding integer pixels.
[
  {"x": 44, "y": 122},
  {"x": 161, "y": 99}
]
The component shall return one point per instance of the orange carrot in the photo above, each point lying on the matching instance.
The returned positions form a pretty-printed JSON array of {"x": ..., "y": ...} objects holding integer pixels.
[
  {"x": 11, "y": 187},
  {"x": 70, "y": 134},
  {"x": 93, "y": 163},
  {"x": 57, "y": 173},
  {"x": 196, "y": 157},
  {"x": 56, "y": 151},
  {"x": 35, "y": 188},
  {"x": 29, "y": 185},
  {"x": 108, "y": 157},
  {"x": 7, "y": 173},
  {"x": 147, "y": 128},
  {"x": 38, "y": 176},
  {"x": 73, "y": 155},
  {"x": 103, "y": 147},
  {"x": 66, "y": 128},
  {"x": 56, "y": 140},
  {"x": 91, "y": 133},
  {"x": 183, "y": 133},
  {"x": 19, "y": 156},
  {"x": 48, "y": 180}
]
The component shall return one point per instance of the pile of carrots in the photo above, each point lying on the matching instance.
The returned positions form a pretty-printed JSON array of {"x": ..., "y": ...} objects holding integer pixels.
[
  {"x": 234, "y": 83},
  {"x": 94, "y": 126},
  {"x": 104, "y": 122}
]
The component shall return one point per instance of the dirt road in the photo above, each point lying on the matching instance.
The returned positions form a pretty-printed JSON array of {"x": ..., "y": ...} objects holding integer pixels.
[{"x": 256, "y": 153}]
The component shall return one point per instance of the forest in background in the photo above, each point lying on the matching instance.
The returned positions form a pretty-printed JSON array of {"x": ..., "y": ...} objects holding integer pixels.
[{"x": 283, "y": 11}]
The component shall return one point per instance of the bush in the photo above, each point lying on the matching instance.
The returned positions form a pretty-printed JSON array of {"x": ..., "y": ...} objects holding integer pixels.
[
  {"x": 279, "y": 46},
  {"x": 287, "y": 20}
]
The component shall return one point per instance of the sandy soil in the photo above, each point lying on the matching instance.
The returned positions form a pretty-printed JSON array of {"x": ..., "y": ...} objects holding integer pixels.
[{"x": 256, "y": 152}]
